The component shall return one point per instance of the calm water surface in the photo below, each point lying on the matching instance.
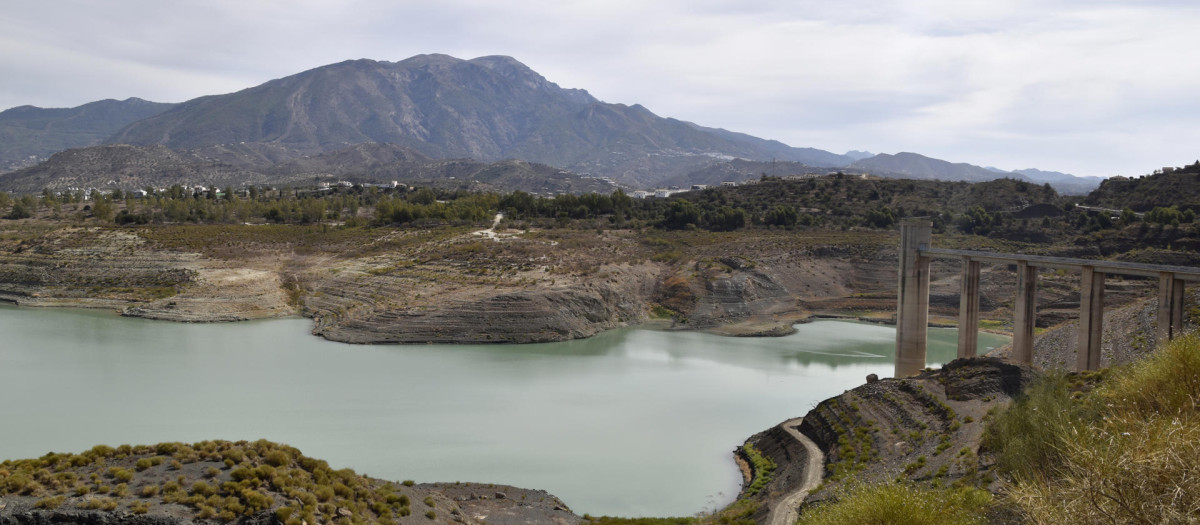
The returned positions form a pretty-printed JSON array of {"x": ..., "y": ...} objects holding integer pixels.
[{"x": 631, "y": 422}]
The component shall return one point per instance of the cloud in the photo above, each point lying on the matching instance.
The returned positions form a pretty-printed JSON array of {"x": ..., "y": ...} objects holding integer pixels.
[{"x": 1093, "y": 87}]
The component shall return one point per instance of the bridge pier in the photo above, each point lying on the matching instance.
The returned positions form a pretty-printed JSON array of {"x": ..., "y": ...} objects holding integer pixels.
[
  {"x": 912, "y": 312},
  {"x": 1170, "y": 307},
  {"x": 1024, "y": 313},
  {"x": 1091, "y": 319},
  {"x": 968, "y": 309}
]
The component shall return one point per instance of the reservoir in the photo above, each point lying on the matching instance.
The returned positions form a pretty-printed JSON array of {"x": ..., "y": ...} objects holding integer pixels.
[{"x": 631, "y": 422}]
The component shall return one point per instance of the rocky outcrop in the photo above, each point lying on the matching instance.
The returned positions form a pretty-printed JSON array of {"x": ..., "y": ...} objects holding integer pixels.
[
  {"x": 221, "y": 294},
  {"x": 509, "y": 315},
  {"x": 88, "y": 267},
  {"x": 118, "y": 270},
  {"x": 925, "y": 428}
]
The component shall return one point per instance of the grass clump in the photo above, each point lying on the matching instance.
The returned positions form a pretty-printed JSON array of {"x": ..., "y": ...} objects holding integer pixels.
[
  {"x": 902, "y": 504},
  {"x": 1131, "y": 455},
  {"x": 1034, "y": 431},
  {"x": 761, "y": 466}
]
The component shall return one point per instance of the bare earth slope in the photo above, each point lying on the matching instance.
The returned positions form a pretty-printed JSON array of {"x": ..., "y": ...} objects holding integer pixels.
[
  {"x": 444, "y": 284},
  {"x": 926, "y": 429}
]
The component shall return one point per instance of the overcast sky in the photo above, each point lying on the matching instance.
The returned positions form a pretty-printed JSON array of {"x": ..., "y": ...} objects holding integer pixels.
[{"x": 1090, "y": 87}]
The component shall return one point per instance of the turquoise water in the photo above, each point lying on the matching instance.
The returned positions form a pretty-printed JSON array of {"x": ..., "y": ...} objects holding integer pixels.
[{"x": 631, "y": 422}]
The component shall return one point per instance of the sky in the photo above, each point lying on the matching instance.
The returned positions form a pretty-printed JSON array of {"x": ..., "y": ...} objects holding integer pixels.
[{"x": 1088, "y": 87}]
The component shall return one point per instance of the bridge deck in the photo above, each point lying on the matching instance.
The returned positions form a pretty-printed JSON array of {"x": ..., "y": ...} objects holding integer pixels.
[{"x": 1183, "y": 273}]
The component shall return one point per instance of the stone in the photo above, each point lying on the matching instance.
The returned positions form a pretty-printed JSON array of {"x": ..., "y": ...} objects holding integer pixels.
[{"x": 871, "y": 378}]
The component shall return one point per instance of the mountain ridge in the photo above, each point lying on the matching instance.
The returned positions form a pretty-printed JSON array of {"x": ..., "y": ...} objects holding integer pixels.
[
  {"x": 29, "y": 134},
  {"x": 489, "y": 108}
]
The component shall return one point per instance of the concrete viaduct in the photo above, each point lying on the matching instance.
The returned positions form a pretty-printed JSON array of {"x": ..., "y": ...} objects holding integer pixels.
[{"x": 912, "y": 311}]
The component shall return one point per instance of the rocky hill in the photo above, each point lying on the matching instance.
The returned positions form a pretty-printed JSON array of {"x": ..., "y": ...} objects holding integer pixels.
[
  {"x": 915, "y": 166},
  {"x": 488, "y": 108},
  {"x": 131, "y": 167},
  {"x": 127, "y": 167},
  {"x": 1180, "y": 187},
  {"x": 247, "y": 483},
  {"x": 29, "y": 134}
]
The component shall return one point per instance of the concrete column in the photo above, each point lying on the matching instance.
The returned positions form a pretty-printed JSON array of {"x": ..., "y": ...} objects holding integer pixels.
[
  {"x": 968, "y": 309},
  {"x": 912, "y": 308},
  {"x": 1170, "y": 307},
  {"x": 1024, "y": 313},
  {"x": 1091, "y": 319}
]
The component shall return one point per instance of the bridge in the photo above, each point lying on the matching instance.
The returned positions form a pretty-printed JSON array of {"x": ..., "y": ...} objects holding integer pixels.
[{"x": 912, "y": 309}]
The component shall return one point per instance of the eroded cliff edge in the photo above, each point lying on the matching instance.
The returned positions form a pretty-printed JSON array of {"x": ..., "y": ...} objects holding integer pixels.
[{"x": 447, "y": 284}]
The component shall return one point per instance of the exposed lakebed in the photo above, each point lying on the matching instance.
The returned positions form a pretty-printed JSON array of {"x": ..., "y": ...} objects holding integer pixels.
[{"x": 630, "y": 422}]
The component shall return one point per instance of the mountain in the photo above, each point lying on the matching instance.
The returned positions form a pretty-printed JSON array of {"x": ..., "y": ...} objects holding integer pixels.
[
  {"x": 914, "y": 166},
  {"x": 124, "y": 166},
  {"x": 739, "y": 170},
  {"x": 1063, "y": 182},
  {"x": 859, "y": 155},
  {"x": 29, "y": 134},
  {"x": 129, "y": 167},
  {"x": 488, "y": 108}
]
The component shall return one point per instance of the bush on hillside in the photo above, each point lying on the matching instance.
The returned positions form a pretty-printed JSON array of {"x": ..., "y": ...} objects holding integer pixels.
[{"x": 902, "y": 504}]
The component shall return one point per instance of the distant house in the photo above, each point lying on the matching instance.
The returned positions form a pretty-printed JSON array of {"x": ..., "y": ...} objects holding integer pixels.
[
  {"x": 140, "y": 194},
  {"x": 699, "y": 186},
  {"x": 640, "y": 194},
  {"x": 728, "y": 183},
  {"x": 662, "y": 194}
]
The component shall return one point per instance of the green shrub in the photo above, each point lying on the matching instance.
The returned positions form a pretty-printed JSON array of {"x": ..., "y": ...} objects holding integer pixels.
[
  {"x": 761, "y": 466},
  {"x": 901, "y": 504},
  {"x": 283, "y": 513},
  {"x": 278, "y": 458},
  {"x": 1138, "y": 460},
  {"x": 323, "y": 493},
  {"x": 50, "y": 503},
  {"x": 429, "y": 501},
  {"x": 431, "y": 515},
  {"x": 1034, "y": 430}
]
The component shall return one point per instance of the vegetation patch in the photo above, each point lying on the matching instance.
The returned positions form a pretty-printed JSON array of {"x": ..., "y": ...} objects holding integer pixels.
[
  {"x": 901, "y": 504},
  {"x": 761, "y": 466}
]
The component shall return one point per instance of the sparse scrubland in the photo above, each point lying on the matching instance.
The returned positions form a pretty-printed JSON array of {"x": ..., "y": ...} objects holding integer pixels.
[
  {"x": 243, "y": 482},
  {"x": 1116, "y": 446}
]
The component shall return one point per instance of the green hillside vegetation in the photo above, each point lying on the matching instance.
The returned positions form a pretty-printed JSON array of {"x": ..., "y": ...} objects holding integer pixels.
[
  {"x": 1118, "y": 446},
  {"x": 1003, "y": 210},
  {"x": 212, "y": 480},
  {"x": 1177, "y": 187}
]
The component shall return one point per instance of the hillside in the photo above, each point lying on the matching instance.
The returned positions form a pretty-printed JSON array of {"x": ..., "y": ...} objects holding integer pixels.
[
  {"x": 29, "y": 134},
  {"x": 1180, "y": 187},
  {"x": 243, "y": 482},
  {"x": 914, "y": 166},
  {"x": 133, "y": 167},
  {"x": 124, "y": 166},
  {"x": 488, "y": 108}
]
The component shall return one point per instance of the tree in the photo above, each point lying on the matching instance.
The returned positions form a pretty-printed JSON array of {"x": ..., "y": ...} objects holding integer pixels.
[
  {"x": 782, "y": 215},
  {"x": 881, "y": 218},
  {"x": 725, "y": 218},
  {"x": 19, "y": 211},
  {"x": 103, "y": 208},
  {"x": 681, "y": 213}
]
